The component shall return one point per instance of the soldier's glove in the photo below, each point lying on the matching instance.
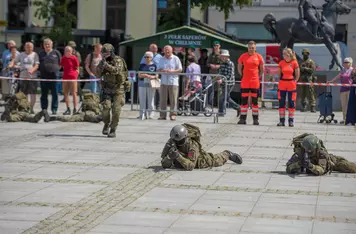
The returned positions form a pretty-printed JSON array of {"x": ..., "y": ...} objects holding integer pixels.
[
  {"x": 173, "y": 154},
  {"x": 127, "y": 86}
]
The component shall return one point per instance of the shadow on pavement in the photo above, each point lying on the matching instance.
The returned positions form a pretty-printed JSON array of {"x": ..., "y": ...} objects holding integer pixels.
[{"x": 71, "y": 135}]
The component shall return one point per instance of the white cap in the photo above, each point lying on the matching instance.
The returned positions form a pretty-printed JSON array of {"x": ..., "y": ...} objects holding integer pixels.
[
  {"x": 149, "y": 54},
  {"x": 348, "y": 60},
  {"x": 224, "y": 53}
]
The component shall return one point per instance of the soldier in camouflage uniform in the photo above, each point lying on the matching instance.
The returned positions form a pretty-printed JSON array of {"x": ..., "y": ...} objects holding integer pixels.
[
  {"x": 307, "y": 68},
  {"x": 18, "y": 109},
  {"x": 183, "y": 150},
  {"x": 310, "y": 154},
  {"x": 91, "y": 111},
  {"x": 114, "y": 71}
]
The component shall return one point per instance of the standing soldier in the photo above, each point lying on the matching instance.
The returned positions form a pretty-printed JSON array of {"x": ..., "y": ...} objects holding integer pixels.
[
  {"x": 307, "y": 67},
  {"x": 114, "y": 71}
]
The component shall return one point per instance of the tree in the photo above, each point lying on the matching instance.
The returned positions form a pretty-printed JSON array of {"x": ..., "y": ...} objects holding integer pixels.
[
  {"x": 178, "y": 14},
  {"x": 63, "y": 20}
]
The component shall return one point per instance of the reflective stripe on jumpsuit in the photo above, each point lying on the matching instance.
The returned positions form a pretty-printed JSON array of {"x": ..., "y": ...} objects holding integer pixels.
[
  {"x": 287, "y": 88},
  {"x": 249, "y": 88}
]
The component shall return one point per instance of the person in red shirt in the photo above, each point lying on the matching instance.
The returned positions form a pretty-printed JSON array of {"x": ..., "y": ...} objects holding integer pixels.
[
  {"x": 70, "y": 65},
  {"x": 250, "y": 67},
  {"x": 289, "y": 72}
]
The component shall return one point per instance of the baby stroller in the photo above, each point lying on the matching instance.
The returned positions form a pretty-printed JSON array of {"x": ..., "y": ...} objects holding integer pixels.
[
  {"x": 195, "y": 104},
  {"x": 326, "y": 107}
]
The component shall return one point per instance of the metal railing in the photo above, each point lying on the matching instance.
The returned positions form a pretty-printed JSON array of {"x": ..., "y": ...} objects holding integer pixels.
[{"x": 208, "y": 100}]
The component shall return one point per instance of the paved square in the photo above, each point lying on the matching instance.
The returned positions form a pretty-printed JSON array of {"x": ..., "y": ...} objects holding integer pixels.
[{"x": 68, "y": 178}]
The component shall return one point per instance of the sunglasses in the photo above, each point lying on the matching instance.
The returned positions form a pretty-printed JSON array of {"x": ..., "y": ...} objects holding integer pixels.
[{"x": 147, "y": 57}]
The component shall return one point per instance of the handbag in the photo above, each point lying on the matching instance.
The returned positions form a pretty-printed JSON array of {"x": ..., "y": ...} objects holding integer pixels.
[{"x": 155, "y": 83}]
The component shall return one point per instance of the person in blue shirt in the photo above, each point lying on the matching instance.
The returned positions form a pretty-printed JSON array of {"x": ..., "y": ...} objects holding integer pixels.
[
  {"x": 145, "y": 90},
  {"x": 7, "y": 54},
  {"x": 156, "y": 56}
]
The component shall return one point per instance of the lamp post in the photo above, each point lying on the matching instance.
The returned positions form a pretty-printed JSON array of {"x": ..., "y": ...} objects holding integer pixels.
[{"x": 188, "y": 12}]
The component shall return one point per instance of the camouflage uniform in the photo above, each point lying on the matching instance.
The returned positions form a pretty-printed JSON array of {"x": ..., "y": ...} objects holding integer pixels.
[
  {"x": 18, "y": 109},
  {"x": 190, "y": 154},
  {"x": 114, "y": 72},
  {"x": 91, "y": 111},
  {"x": 307, "y": 67},
  {"x": 313, "y": 156}
]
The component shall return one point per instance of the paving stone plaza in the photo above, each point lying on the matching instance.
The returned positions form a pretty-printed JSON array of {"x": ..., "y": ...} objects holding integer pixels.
[{"x": 68, "y": 178}]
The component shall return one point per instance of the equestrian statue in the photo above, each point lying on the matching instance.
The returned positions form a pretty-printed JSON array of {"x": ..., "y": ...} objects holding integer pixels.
[{"x": 318, "y": 28}]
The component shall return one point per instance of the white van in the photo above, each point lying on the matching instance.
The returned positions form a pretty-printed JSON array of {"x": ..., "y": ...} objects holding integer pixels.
[{"x": 318, "y": 53}]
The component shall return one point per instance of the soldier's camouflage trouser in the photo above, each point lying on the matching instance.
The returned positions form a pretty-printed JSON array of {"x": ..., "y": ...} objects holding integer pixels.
[
  {"x": 82, "y": 117},
  {"x": 24, "y": 117},
  {"x": 208, "y": 160},
  {"x": 307, "y": 94},
  {"x": 113, "y": 103},
  {"x": 340, "y": 164}
]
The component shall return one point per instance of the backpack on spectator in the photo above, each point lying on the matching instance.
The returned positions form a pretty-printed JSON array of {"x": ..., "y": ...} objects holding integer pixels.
[{"x": 86, "y": 74}]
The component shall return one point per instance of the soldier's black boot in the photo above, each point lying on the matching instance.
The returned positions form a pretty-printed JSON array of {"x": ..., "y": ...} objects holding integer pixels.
[
  {"x": 242, "y": 119},
  {"x": 312, "y": 109},
  {"x": 255, "y": 120},
  {"x": 106, "y": 129},
  {"x": 46, "y": 116},
  {"x": 236, "y": 158},
  {"x": 38, "y": 117},
  {"x": 112, "y": 133}
]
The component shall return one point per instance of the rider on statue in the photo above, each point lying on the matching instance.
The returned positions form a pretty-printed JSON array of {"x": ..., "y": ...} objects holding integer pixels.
[{"x": 308, "y": 12}]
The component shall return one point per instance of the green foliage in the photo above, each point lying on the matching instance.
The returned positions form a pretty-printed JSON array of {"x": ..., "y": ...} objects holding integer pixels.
[
  {"x": 177, "y": 16},
  {"x": 61, "y": 31}
]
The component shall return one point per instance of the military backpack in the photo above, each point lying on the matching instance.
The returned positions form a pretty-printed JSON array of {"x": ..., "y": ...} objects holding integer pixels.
[
  {"x": 18, "y": 102},
  {"x": 91, "y": 102},
  {"x": 193, "y": 132},
  {"x": 297, "y": 141}
]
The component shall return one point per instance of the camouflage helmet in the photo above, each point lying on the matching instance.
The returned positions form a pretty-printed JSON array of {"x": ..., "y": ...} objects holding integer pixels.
[
  {"x": 305, "y": 51},
  {"x": 72, "y": 44},
  {"x": 179, "y": 133},
  {"x": 108, "y": 48},
  {"x": 310, "y": 143}
]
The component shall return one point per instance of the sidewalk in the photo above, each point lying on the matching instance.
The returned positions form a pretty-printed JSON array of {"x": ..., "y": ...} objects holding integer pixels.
[{"x": 68, "y": 178}]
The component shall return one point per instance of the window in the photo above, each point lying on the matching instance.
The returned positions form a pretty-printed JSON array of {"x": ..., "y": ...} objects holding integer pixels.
[
  {"x": 17, "y": 14},
  {"x": 116, "y": 14},
  {"x": 249, "y": 31}
]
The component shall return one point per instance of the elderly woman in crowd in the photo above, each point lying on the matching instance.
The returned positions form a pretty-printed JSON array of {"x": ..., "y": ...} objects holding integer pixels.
[
  {"x": 345, "y": 78},
  {"x": 147, "y": 85}
]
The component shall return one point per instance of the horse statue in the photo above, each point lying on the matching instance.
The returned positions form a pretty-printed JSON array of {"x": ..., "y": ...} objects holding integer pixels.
[{"x": 288, "y": 30}]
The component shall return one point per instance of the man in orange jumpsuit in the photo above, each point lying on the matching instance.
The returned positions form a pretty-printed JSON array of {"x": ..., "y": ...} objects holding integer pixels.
[{"x": 250, "y": 67}]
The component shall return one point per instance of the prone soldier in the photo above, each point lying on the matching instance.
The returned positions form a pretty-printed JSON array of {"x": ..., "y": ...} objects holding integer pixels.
[
  {"x": 91, "y": 111},
  {"x": 18, "y": 109},
  {"x": 183, "y": 150},
  {"x": 114, "y": 71},
  {"x": 310, "y": 154},
  {"x": 307, "y": 68}
]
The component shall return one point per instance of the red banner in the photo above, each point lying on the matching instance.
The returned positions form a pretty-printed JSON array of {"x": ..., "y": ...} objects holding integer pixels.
[{"x": 272, "y": 54}]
